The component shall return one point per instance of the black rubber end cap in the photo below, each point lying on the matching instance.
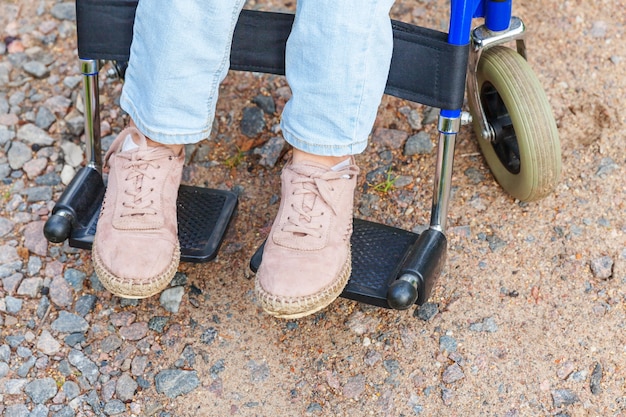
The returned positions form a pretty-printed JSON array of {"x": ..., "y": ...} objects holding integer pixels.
[
  {"x": 401, "y": 295},
  {"x": 57, "y": 228}
]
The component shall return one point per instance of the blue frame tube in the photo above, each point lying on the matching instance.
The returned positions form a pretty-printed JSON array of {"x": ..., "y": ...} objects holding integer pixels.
[{"x": 498, "y": 14}]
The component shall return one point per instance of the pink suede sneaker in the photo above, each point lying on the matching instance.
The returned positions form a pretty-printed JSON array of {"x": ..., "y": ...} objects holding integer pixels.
[
  {"x": 136, "y": 250},
  {"x": 307, "y": 256}
]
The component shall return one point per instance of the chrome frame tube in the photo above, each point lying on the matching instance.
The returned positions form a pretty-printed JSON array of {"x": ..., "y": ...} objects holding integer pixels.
[
  {"x": 448, "y": 129},
  {"x": 89, "y": 69},
  {"x": 481, "y": 40}
]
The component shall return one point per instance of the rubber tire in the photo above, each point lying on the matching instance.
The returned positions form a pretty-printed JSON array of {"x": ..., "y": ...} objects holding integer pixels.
[{"x": 533, "y": 122}]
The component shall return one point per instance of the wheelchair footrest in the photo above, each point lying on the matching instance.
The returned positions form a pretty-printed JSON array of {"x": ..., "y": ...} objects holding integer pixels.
[
  {"x": 203, "y": 217},
  {"x": 378, "y": 254}
]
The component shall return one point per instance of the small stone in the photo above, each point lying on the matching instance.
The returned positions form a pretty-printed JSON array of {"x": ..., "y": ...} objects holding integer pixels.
[
  {"x": 139, "y": 364},
  {"x": 39, "y": 193},
  {"x": 74, "y": 339},
  {"x": 36, "y": 69},
  {"x": 114, "y": 407},
  {"x": 12, "y": 282},
  {"x": 17, "y": 410},
  {"x": 72, "y": 153},
  {"x": 64, "y": 11},
  {"x": 35, "y": 167},
  {"x": 427, "y": 311},
  {"x": 252, "y": 122},
  {"x": 67, "y": 174},
  {"x": 180, "y": 279},
  {"x": 13, "y": 305},
  {"x": 389, "y": 138},
  {"x": 60, "y": 292},
  {"x": 598, "y": 29},
  {"x": 71, "y": 390},
  {"x": 158, "y": 323},
  {"x": 110, "y": 343},
  {"x": 447, "y": 344},
  {"x": 475, "y": 175},
  {"x": 66, "y": 411},
  {"x": 271, "y": 151},
  {"x": 266, "y": 103},
  {"x": 84, "y": 365},
  {"x": 47, "y": 344},
  {"x": 4, "y": 369},
  {"x": 40, "y": 410},
  {"x": 602, "y": 268},
  {"x": 85, "y": 304},
  {"x": 69, "y": 323},
  {"x": 487, "y": 325},
  {"x": 41, "y": 390},
  {"x": 561, "y": 397},
  {"x": 596, "y": 379},
  {"x": 44, "y": 118},
  {"x": 418, "y": 144},
  {"x": 30, "y": 287},
  {"x": 6, "y": 226},
  {"x": 259, "y": 372},
  {"x": 171, "y": 298},
  {"x": 126, "y": 387},
  {"x": 34, "y": 135},
  {"x": 565, "y": 370},
  {"x": 452, "y": 374},
  {"x": 19, "y": 154},
  {"x": 354, "y": 386},
  {"x": 175, "y": 382},
  {"x": 135, "y": 331}
]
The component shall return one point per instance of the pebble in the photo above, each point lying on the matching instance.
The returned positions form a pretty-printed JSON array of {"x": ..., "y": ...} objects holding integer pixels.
[
  {"x": 17, "y": 410},
  {"x": 34, "y": 135},
  {"x": 171, "y": 298},
  {"x": 487, "y": 325},
  {"x": 561, "y": 397},
  {"x": 47, "y": 344},
  {"x": 596, "y": 379},
  {"x": 427, "y": 311},
  {"x": 126, "y": 387},
  {"x": 266, "y": 103},
  {"x": 61, "y": 292},
  {"x": 135, "y": 331},
  {"x": 158, "y": 323},
  {"x": 35, "y": 167},
  {"x": 41, "y": 390},
  {"x": 418, "y": 144},
  {"x": 75, "y": 278},
  {"x": 114, "y": 407},
  {"x": 5, "y": 135},
  {"x": 71, "y": 390},
  {"x": 389, "y": 138},
  {"x": 18, "y": 155},
  {"x": 13, "y": 305},
  {"x": 453, "y": 373},
  {"x": 84, "y": 365},
  {"x": 354, "y": 387},
  {"x": 44, "y": 118},
  {"x": 64, "y": 11},
  {"x": 447, "y": 344},
  {"x": 69, "y": 323},
  {"x": 36, "y": 69},
  {"x": 30, "y": 287},
  {"x": 85, "y": 304},
  {"x": 110, "y": 343},
  {"x": 39, "y": 410},
  {"x": 175, "y": 382},
  {"x": 602, "y": 267},
  {"x": 271, "y": 151},
  {"x": 252, "y": 122},
  {"x": 72, "y": 154}
]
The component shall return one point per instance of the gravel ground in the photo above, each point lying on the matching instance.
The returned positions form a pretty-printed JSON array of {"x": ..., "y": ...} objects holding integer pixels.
[{"x": 527, "y": 319}]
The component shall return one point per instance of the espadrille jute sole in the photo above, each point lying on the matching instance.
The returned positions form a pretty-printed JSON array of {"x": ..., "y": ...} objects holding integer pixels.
[
  {"x": 297, "y": 307},
  {"x": 135, "y": 289}
]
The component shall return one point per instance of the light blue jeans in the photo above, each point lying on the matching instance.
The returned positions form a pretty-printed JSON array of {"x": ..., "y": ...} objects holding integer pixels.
[{"x": 337, "y": 62}]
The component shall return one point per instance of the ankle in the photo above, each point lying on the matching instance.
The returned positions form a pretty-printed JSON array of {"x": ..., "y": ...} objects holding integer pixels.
[{"x": 300, "y": 156}]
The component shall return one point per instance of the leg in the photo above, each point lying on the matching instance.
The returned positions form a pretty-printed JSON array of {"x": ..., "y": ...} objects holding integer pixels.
[
  {"x": 337, "y": 63},
  {"x": 179, "y": 55}
]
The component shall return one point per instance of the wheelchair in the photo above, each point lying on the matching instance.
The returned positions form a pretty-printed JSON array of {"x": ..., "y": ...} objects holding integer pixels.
[{"x": 392, "y": 268}]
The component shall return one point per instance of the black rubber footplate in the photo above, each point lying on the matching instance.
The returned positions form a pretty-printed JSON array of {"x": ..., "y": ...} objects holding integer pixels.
[
  {"x": 378, "y": 252},
  {"x": 203, "y": 217}
]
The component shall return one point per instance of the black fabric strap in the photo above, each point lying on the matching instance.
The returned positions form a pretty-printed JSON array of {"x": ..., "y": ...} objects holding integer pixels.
[{"x": 425, "y": 68}]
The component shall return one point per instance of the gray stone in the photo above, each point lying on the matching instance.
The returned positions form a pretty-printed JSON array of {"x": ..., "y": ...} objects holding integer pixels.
[
  {"x": 252, "y": 122},
  {"x": 18, "y": 155},
  {"x": 36, "y": 69},
  {"x": 24, "y": 352},
  {"x": 72, "y": 154},
  {"x": 34, "y": 135},
  {"x": 5, "y": 353},
  {"x": 51, "y": 178},
  {"x": 171, "y": 298},
  {"x": 74, "y": 339},
  {"x": 85, "y": 304},
  {"x": 71, "y": 390},
  {"x": 596, "y": 379},
  {"x": 114, "y": 407},
  {"x": 602, "y": 267},
  {"x": 487, "y": 325},
  {"x": 354, "y": 386},
  {"x": 38, "y": 193},
  {"x": 39, "y": 410},
  {"x": 5, "y": 135},
  {"x": 14, "y": 305},
  {"x": 447, "y": 344},
  {"x": 86, "y": 366},
  {"x": 66, "y": 411},
  {"x": 271, "y": 151},
  {"x": 75, "y": 123},
  {"x": 12, "y": 282},
  {"x": 47, "y": 344},
  {"x": 42, "y": 307},
  {"x": 418, "y": 144},
  {"x": 34, "y": 265},
  {"x": 158, "y": 323},
  {"x": 41, "y": 390},
  {"x": 44, "y": 118},
  {"x": 4, "y": 369},
  {"x": 15, "y": 386},
  {"x": 607, "y": 165},
  {"x": 266, "y": 103},
  {"x": 427, "y": 311},
  {"x": 64, "y": 11},
  {"x": 75, "y": 278},
  {"x": 9, "y": 268},
  {"x": 72, "y": 81},
  {"x": 389, "y": 138},
  {"x": 69, "y": 323},
  {"x": 35, "y": 167},
  {"x": 58, "y": 105},
  {"x": 8, "y": 254},
  {"x": 126, "y": 387},
  {"x": 34, "y": 239},
  {"x": 16, "y": 410},
  {"x": 30, "y": 287},
  {"x": 25, "y": 368},
  {"x": 175, "y": 382},
  {"x": 6, "y": 226},
  {"x": 561, "y": 397},
  {"x": 110, "y": 343}
]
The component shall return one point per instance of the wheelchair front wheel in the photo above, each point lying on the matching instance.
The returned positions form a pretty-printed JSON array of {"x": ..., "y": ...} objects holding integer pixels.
[{"x": 525, "y": 153}]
